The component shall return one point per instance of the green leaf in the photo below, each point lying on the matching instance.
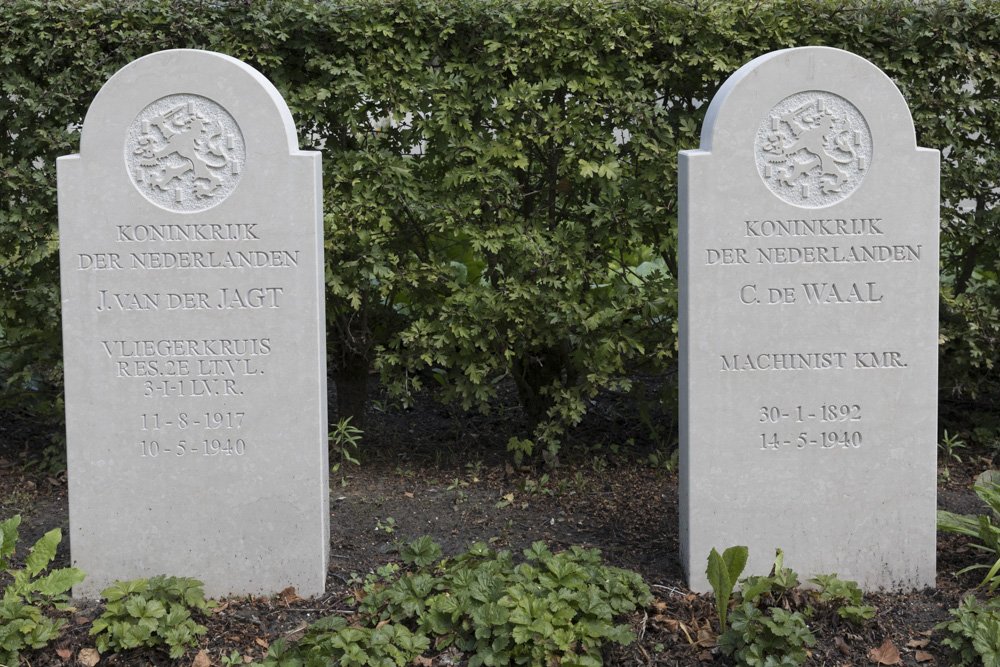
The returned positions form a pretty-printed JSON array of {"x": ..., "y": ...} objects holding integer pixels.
[
  {"x": 43, "y": 552},
  {"x": 8, "y": 537},
  {"x": 60, "y": 581},
  {"x": 736, "y": 560},
  {"x": 723, "y": 572},
  {"x": 538, "y": 552},
  {"x": 421, "y": 552},
  {"x": 120, "y": 589},
  {"x": 754, "y": 587}
]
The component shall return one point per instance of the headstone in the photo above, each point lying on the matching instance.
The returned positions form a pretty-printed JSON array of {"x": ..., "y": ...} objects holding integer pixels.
[
  {"x": 193, "y": 324},
  {"x": 808, "y": 325}
]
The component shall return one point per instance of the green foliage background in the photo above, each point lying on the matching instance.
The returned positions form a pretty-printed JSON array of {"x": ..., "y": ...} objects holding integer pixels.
[{"x": 500, "y": 177}]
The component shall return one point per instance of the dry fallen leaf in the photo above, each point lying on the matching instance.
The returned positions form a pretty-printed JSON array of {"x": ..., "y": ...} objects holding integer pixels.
[
  {"x": 296, "y": 634},
  {"x": 407, "y": 494},
  {"x": 675, "y": 626},
  {"x": 64, "y": 653},
  {"x": 261, "y": 642},
  {"x": 421, "y": 661},
  {"x": 707, "y": 638},
  {"x": 88, "y": 657},
  {"x": 918, "y": 643},
  {"x": 886, "y": 654},
  {"x": 923, "y": 656},
  {"x": 687, "y": 634},
  {"x": 842, "y": 645},
  {"x": 202, "y": 660},
  {"x": 288, "y": 595}
]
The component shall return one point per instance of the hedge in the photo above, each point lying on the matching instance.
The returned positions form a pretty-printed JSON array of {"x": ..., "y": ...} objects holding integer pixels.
[{"x": 500, "y": 177}]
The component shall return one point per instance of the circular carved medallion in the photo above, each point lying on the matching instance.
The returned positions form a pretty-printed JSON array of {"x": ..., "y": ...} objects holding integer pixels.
[
  {"x": 813, "y": 149},
  {"x": 185, "y": 153}
]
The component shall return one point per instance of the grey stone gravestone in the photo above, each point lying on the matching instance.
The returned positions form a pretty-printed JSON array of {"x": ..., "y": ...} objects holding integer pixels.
[
  {"x": 193, "y": 324},
  {"x": 808, "y": 325}
]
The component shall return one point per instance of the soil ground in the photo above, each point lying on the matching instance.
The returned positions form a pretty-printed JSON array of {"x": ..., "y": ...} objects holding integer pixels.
[{"x": 435, "y": 470}]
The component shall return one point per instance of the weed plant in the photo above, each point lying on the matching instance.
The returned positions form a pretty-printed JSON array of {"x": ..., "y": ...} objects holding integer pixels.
[
  {"x": 949, "y": 452},
  {"x": 974, "y": 633},
  {"x": 22, "y": 623},
  {"x": 550, "y": 609},
  {"x": 344, "y": 439},
  {"x": 151, "y": 612},
  {"x": 781, "y": 636},
  {"x": 985, "y": 527}
]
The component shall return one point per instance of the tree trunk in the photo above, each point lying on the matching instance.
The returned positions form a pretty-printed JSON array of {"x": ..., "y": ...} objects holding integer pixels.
[
  {"x": 540, "y": 369},
  {"x": 351, "y": 379}
]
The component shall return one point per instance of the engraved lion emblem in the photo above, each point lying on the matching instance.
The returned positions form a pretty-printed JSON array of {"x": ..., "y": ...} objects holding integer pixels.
[
  {"x": 185, "y": 152},
  {"x": 814, "y": 141},
  {"x": 813, "y": 148}
]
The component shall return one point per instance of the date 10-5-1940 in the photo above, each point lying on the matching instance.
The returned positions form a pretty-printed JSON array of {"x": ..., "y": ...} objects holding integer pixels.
[{"x": 211, "y": 447}]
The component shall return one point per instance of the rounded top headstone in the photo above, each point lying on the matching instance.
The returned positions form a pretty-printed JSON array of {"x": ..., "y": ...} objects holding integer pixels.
[
  {"x": 192, "y": 294},
  {"x": 807, "y": 325},
  {"x": 820, "y": 119},
  {"x": 184, "y": 125}
]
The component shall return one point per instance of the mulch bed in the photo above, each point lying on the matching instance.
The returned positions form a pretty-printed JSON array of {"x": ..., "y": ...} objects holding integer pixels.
[{"x": 434, "y": 470}]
